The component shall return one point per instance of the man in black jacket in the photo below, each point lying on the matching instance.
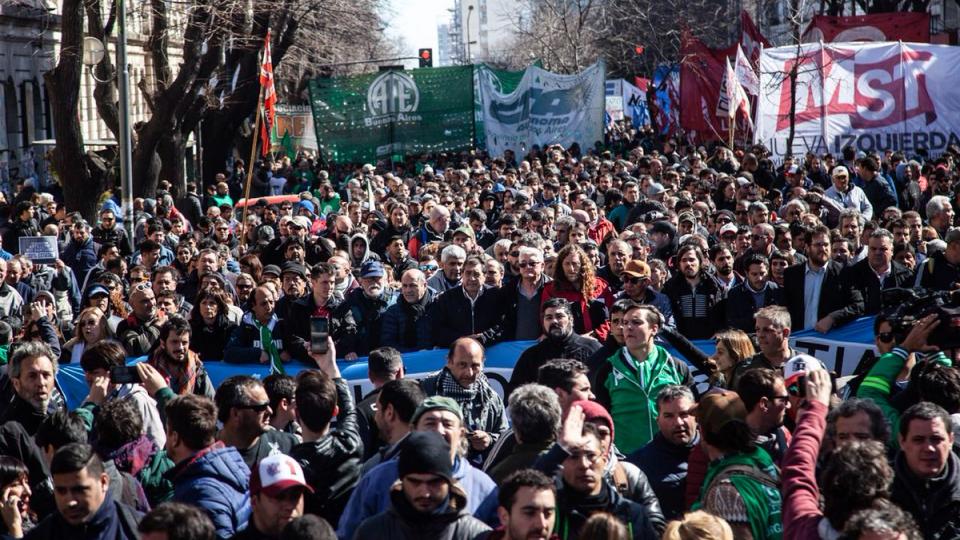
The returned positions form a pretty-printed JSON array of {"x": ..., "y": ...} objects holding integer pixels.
[
  {"x": 32, "y": 372},
  {"x": 469, "y": 309},
  {"x": 664, "y": 459},
  {"x": 330, "y": 459},
  {"x": 322, "y": 301},
  {"x": 86, "y": 509},
  {"x": 107, "y": 232},
  {"x": 560, "y": 342},
  {"x": 752, "y": 294},
  {"x": 520, "y": 299},
  {"x": 695, "y": 295},
  {"x": 927, "y": 474},
  {"x": 583, "y": 491},
  {"x": 834, "y": 303},
  {"x": 877, "y": 272}
]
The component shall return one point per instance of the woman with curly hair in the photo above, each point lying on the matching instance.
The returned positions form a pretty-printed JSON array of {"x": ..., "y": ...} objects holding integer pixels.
[
  {"x": 575, "y": 280},
  {"x": 210, "y": 325}
]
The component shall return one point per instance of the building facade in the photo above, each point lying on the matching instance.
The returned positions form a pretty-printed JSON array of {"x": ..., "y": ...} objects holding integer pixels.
[{"x": 29, "y": 47}]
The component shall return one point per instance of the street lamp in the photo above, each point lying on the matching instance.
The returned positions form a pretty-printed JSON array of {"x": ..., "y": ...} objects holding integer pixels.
[{"x": 469, "y": 13}]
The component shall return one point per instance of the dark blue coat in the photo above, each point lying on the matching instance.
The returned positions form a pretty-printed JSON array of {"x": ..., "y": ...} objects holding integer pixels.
[{"x": 665, "y": 465}]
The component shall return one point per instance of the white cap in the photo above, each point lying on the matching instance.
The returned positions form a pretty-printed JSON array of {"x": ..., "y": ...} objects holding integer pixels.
[{"x": 800, "y": 365}]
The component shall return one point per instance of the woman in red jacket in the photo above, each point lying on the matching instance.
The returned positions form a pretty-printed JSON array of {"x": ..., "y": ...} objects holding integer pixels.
[{"x": 575, "y": 279}]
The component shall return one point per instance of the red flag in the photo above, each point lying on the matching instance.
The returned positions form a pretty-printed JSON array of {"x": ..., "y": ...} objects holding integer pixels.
[
  {"x": 750, "y": 37},
  {"x": 913, "y": 27},
  {"x": 269, "y": 95}
]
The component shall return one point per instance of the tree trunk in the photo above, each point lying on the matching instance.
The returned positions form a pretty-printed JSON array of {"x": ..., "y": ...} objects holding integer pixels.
[
  {"x": 172, "y": 150},
  {"x": 81, "y": 175}
]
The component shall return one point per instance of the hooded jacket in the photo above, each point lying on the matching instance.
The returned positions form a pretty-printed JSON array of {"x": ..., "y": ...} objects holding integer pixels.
[
  {"x": 368, "y": 255},
  {"x": 372, "y": 495},
  {"x": 218, "y": 481},
  {"x": 402, "y": 521}
]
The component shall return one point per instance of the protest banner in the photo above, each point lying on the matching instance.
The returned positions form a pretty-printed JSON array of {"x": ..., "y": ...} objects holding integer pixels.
[
  {"x": 40, "y": 249},
  {"x": 544, "y": 109},
  {"x": 901, "y": 26},
  {"x": 871, "y": 96},
  {"x": 840, "y": 350},
  {"x": 360, "y": 118}
]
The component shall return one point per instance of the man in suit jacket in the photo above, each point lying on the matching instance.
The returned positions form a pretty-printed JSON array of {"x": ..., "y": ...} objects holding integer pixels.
[
  {"x": 815, "y": 293},
  {"x": 877, "y": 272}
]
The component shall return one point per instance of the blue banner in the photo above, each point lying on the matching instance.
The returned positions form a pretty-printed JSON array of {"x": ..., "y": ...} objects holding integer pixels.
[{"x": 839, "y": 349}]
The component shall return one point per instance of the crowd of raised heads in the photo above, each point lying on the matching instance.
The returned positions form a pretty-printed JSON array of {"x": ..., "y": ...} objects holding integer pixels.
[{"x": 651, "y": 289}]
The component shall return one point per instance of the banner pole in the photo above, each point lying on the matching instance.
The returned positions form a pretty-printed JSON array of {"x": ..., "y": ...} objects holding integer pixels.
[{"x": 253, "y": 155}]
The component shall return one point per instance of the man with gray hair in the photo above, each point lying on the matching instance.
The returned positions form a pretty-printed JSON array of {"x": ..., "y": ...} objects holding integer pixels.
[
  {"x": 451, "y": 265},
  {"x": 877, "y": 272},
  {"x": 940, "y": 214},
  {"x": 32, "y": 371},
  {"x": 434, "y": 230},
  {"x": 535, "y": 416}
]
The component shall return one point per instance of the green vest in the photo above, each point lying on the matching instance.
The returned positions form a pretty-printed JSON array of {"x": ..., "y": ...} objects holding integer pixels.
[
  {"x": 758, "y": 487},
  {"x": 633, "y": 387}
]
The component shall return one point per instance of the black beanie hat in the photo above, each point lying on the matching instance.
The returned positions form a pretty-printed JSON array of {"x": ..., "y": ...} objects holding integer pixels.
[{"x": 425, "y": 452}]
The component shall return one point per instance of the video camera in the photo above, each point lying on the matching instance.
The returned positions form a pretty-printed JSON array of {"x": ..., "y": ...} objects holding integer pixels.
[{"x": 904, "y": 307}]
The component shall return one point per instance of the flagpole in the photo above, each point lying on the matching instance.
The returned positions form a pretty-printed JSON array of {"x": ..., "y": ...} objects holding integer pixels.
[{"x": 253, "y": 155}]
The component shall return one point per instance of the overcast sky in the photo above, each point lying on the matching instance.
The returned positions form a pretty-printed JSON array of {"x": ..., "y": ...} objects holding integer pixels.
[{"x": 415, "y": 21}]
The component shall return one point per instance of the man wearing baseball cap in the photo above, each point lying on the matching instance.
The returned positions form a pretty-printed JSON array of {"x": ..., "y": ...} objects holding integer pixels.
[
  {"x": 426, "y": 501},
  {"x": 367, "y": 303},
  {"x": 636, "y": 281},
  {"x": 373, "y": 494},
  {"x": 277, "y": 486}
]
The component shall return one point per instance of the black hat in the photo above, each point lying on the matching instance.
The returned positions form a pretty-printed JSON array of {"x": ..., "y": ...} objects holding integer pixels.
[
  {"x": 292, "y": 267},
  {"x": 425, "y": 452},
  {"x": 271, "y": 269}
]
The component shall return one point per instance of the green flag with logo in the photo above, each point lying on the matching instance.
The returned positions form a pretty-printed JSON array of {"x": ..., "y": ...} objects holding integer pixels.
[{"x": 363, "y": 117}]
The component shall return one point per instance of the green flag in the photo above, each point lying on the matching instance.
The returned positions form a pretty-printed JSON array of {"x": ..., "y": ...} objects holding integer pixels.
[
  {"x": 287, "y": 144},
  {"x": 363, "y": 117}
]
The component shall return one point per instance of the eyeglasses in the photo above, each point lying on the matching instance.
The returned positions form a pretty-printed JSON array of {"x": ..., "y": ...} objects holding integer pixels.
[
  {"x": 741, "y": 212},
  {"x": 885, "y": 337},
  {"x": 90, "y": 322},
  {"x": 529, "y": 264},
  {"x": 428, "y": 267},
  {"x": 635, "y": 279},
  {"x": 258, "y": 407},
  {"x": 758, "y": 236},
  {"x": 781, "y": 398},
  {"x": 514, "y": 253},
  {"x": 589, "y": 456}
]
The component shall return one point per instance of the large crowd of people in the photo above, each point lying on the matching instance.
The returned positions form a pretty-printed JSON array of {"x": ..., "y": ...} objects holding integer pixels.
[{"x": 606, "y": 263}]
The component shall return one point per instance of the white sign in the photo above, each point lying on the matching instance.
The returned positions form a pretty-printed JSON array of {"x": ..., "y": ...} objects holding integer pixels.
[
  {"x": 544, "y": 109},
  {"x": 870, "y": 96}
]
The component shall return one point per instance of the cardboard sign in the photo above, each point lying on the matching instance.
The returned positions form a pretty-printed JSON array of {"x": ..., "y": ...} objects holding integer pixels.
[{"x": 40, "y": 249}]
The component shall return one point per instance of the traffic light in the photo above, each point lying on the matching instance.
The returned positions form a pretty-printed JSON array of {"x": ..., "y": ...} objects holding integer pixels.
[{"x": 426, "y": 58}]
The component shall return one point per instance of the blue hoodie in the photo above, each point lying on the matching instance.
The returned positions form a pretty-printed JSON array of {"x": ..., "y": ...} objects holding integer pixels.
[
  {"x": 218, "y": 481},
  {"x": 372, "y": 495}
]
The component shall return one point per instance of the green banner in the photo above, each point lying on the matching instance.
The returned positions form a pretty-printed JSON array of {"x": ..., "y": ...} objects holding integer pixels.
[{"x": 363, "y": 117}]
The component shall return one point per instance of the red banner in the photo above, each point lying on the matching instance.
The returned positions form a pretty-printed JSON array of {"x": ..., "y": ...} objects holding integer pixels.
[
  {"x": 701, "y": 75},
  {"x": 902, "y": 26},
  {"x": 751, "y": 40}
]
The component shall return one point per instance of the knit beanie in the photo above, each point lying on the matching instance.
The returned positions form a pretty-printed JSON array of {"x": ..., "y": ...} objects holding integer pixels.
[
  {"x": 425, "y": 452},
  {"x": 595, "y": 413}
]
